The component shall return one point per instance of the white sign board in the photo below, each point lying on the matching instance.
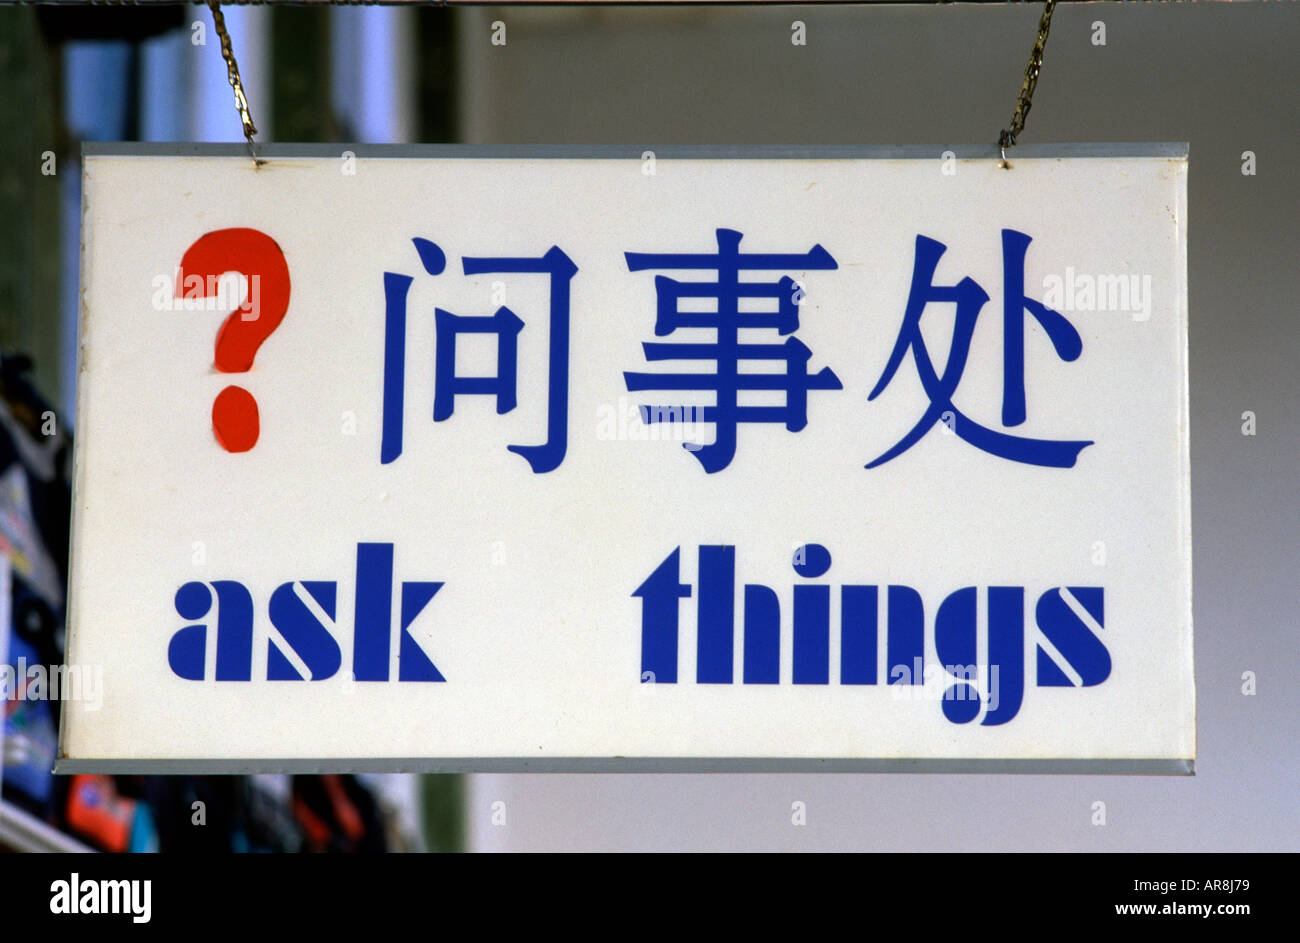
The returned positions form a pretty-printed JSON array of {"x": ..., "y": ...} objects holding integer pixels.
[{"x": 449, "y": 459}]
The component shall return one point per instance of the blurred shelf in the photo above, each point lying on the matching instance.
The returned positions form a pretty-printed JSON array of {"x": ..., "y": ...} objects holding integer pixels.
[{"x": 20, "y": 831}]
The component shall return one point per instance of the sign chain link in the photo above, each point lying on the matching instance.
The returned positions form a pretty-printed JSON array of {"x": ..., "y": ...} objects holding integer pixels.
[
  {"x": 232, "y": 73},
  {"x": 1008, "y": 136}
]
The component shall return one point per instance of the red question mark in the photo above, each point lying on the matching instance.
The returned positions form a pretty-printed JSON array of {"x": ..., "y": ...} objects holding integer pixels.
[{"x": 255, "y": 255}]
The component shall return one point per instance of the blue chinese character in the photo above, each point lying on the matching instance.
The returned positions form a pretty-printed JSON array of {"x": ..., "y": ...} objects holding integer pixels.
[
  {"x": 506, "y": 325},
  {"x": 969, "y": 298},
  {"x": 728, "y": 380}
]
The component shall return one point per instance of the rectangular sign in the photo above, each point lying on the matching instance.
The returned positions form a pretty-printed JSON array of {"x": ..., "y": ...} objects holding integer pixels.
[{"x": 447, "y": 458}]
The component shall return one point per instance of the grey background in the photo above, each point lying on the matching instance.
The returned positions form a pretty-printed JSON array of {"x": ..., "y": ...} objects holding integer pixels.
[{"x": 1223, "y": 77}]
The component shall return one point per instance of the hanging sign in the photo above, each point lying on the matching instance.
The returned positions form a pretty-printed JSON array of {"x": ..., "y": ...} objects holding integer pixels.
[{"x": 531, "y": 459}]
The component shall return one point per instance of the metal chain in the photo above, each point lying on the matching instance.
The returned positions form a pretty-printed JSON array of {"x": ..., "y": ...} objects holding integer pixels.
[
  {"x": 232, "y": 73},
  {"x": 1008, "y": 136}
]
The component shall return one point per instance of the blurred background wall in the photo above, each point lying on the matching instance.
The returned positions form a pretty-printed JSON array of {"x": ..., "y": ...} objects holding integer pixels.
[{"x": 1223, "y": 77}]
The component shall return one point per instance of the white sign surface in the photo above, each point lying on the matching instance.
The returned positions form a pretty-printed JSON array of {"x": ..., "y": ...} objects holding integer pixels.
[{"x": 720, "y": 461}]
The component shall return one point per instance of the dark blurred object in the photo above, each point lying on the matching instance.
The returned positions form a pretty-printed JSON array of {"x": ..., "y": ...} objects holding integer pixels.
[
  {"x": 438, "y": 65},
  {"x": 39, "y": 441},
  {"x": 62, "y": 23},
  {"x": 35, "y": 501},
  {"x": 96, "y": 812},
  {"x": 265, "y": 821},
  {"x": 337, "y": 814},
  {"x": 192, "y": 813}
]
